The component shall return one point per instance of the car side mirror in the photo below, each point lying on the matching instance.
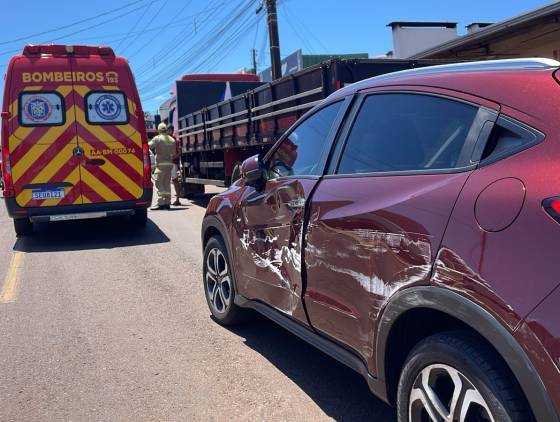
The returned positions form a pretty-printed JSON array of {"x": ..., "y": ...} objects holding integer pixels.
[{"x": 253, "y": 170}]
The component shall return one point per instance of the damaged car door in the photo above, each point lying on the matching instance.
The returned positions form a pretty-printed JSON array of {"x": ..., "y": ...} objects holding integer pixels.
[
  {"x": 377, "y": 220},
  {"x": 270, "y": 217}
]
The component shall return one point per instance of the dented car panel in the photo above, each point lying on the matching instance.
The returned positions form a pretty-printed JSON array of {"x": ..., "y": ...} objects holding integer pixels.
[
  {"x": 268, "y": 228},
  {"x": 366, "y": 243}
]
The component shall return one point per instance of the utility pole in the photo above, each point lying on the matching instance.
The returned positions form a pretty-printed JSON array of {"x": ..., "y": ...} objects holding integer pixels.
[
  {"x": 254, "y": 59},
  {"x": 274, "y": 39}
]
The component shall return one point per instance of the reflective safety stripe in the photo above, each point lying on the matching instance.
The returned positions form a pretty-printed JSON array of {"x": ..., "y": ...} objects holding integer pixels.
[{"x": 164, "y": 164}]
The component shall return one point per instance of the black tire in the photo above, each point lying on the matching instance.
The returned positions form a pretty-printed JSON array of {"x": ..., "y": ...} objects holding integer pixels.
[
  {"x": 236, "y": 173},
  {"x": 230, "y": 314},
  {"x": 478, "y": 366},
  {"x": 23, "y": 226},
  {"x": 139, "y": 218}
]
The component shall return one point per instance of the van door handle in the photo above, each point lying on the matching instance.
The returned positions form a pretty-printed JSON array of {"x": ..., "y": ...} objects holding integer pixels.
[
  {"x": 95, "y": 162},
  {"x": 297, "y": 203}
]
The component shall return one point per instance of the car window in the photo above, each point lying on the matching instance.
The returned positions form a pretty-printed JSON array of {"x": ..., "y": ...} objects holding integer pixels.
[
  {"x": 507, "y": 138},
  {"x": 300, "y": 152},
  {"x": 106, "y": 107},
  {"x": 41, "y": 109},
  {"x": 403, "y": 132}
]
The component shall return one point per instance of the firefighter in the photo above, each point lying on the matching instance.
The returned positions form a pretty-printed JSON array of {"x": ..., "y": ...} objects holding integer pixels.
[
  {"x": 175, "y": 171},
  {"x": 166, "y": 151}
]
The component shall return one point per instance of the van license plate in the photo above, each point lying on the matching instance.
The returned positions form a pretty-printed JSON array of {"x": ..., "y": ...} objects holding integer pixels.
[{"x": 47, "y": 194}]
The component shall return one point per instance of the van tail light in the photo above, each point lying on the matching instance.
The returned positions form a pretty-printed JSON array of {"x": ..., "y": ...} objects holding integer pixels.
[
  {"x": 147, "y": 166},
  {"x": 7, "y": 174},
  {"x": 552, "y": 207}
]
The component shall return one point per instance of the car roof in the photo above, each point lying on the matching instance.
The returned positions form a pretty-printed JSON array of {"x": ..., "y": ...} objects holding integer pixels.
[{"x": 450, "y": 72}]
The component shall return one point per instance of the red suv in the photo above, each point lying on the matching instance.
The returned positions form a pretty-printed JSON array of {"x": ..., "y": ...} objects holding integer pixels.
[{"x": 408, "y": 226}]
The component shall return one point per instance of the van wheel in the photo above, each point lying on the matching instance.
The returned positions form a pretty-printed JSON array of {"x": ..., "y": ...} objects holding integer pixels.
[
  {"x": 23, "y": 226},
  {"x": 456, "y": 376},
  {"x": 219, "y": 284},
  {"x": 140, "y": 218}
]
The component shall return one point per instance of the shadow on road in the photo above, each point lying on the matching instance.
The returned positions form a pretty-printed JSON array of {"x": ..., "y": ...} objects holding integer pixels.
[
  {"x": 104, "y": 233},
  {"x": 202, "y": 200},
  {"x": 339, "y": 391}
]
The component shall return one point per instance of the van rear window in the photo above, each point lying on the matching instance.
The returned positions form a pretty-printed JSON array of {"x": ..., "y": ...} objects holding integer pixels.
[
  {"x": 106, "y": 108},
  {"x": 41, "y": 108}
]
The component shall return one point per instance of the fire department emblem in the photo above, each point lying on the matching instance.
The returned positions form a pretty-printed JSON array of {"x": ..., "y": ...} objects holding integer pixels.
[
  {"x": 107, "y": 107},
  {"x": 112, "y": 77},
  {"x": 37, "y": 108}
]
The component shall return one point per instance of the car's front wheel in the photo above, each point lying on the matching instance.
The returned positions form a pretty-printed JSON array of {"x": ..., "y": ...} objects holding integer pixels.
[
  {"x": 457, "y": 377},
  {"x": 219, "y": 285}
]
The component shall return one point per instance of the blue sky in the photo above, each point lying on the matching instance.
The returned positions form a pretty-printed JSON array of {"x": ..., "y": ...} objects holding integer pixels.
[{"x": 166, "y": 38}]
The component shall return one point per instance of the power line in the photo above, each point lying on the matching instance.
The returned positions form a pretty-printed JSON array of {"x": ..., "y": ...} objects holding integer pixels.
[
  {"x": 136, "y": 24},
  {"x": 151, "y": 21},
  {"x": 256, "y": 33},
  {"x": 163, "y": 55},
  {"x": 304, "y": 28},
  {"x": 227, "y": 45},
  {"x": 74, "y": 23},
  {"x": 175, "y": 16},
  {"x": 3, "y": 53},
  {"x": 262, "y": 58},
  {"x": 112, "y": 38},
  {"x": 197, "y": 51}
]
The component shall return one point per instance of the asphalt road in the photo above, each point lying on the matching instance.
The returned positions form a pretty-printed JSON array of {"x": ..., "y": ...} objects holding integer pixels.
[{"x": 99, "y": 322}]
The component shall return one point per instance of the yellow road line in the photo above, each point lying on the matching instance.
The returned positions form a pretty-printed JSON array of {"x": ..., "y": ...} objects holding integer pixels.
[{"x": 9, "y": 289}]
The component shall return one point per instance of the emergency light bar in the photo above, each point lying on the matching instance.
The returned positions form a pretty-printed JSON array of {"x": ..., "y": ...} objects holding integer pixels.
[{"x": 65, "y": 50}]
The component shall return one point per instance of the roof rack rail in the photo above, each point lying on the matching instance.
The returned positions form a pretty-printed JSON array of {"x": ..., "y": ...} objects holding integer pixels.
[
  {"x": 504, "y": 64},
  {"x": 485, "y": 65}
]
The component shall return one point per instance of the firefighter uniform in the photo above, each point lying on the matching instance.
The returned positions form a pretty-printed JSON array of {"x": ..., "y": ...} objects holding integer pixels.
[{"x": 165, "y": 150}]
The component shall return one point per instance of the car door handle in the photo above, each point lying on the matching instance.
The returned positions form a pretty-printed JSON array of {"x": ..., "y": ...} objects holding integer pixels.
[{"x": 297, "y": 203}]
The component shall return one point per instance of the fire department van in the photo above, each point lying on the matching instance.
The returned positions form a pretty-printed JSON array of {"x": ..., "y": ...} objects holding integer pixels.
[{"x": 74, "y": 142}]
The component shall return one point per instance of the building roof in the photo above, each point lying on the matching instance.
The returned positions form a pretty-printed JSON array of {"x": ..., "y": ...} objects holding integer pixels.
[
  {"x": 417, "y": 24},
  {"x": 480, "y": 24},
  {"x": 491, "y": 31}
]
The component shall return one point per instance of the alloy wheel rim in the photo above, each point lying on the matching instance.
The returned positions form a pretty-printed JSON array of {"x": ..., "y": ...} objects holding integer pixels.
[
  {"x": 218, "y": 281},
  {"x": 442, "y": 393}
]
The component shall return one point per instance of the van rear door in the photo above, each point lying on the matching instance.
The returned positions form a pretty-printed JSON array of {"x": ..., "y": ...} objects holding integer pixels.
[
  {"x": 108, "y": 128},
  {"x": 42, "y": 140}
]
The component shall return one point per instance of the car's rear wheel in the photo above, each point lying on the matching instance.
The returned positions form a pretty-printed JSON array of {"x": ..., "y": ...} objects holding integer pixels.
[
  {"x": 140, "y": 218},
  {"x": 219, "y": 284},
  {"x": 455, "y": 376},
  {"x": 23, "y": 226}
]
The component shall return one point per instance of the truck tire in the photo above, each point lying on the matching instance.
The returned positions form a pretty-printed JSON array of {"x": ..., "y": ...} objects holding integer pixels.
[
  {"x": 219, "y": 285},
  {"x": 23, "y": 226},
  {"x": 139, "y": 218},
  {"x": 457, "y": 364}
]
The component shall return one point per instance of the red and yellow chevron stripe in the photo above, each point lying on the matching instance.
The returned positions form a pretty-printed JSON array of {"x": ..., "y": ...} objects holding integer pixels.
[{"x": 45, "y": 155}]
